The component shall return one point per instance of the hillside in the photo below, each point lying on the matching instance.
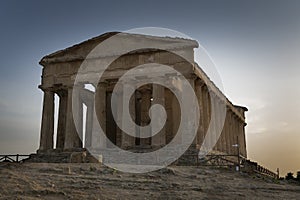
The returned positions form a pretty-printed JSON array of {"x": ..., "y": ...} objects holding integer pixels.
[{"x": 92, "y": 181}]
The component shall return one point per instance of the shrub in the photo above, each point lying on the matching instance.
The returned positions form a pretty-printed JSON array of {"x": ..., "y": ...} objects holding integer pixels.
[
  {"x": 298, "y": 176},
  {"x": 289, "y": 176}
]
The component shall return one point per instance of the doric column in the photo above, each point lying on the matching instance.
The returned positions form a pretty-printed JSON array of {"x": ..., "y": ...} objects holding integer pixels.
[
  {"x": 62, "y": 113},
  {"x": 209, "y": 117},
  {"x": 169, "y": 124},
  {"x": 176, "y": 115},
  {"x": 244, "y": 139},
  {"x": 218, "y": 125},
  {"x": 199, "y": 94},
  {"x": 73, "y": 138},
  {"x": 228, "y": 131},
  {"x": 178, "y": 104},
  {"x": 192, "y": 115},
  {"x": 158, "y": 95},
  {"x": 145, "y": 118},
  {"x": 221, "y": 121},
  {"x": 119, "y": 115},
  {"x": 47, "y": 127},
  {"x": 99, "y": 117},
  {"x": 127, "y": 141},
  {"x": 87, "y": 98},
  {"x": 224, "y": 132},
  {"x": 206, "y": 115},
  {"x": 230, "y": 148},
  {"x": 89, "y": 124},
  {"x": 213, "y": 119},
  {"x": 232, "y": 134},
  {"x": 237, "y": 132},
  {"x": 240, "y": 135}
]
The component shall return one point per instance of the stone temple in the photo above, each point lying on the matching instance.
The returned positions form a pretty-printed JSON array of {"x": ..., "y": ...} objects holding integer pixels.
[{"x": 58, "y": 79}]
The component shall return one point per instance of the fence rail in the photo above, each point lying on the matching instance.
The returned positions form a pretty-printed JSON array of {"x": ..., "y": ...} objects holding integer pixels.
[
  {"x": 227, "y": 160},
  {"x": 13, "y": 158},
  {"x": 219, "y": 160},
  {"x": 208, "y": 160},
  {"x": 251, "y": 166}
]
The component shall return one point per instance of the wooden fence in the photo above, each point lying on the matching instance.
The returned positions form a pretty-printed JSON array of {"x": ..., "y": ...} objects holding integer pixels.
[
  {"x": 13, "y": 158},
  {"x": 235, "y": 161},
  {"x": 219, "y": 160},
  {"x": 209, "y": 160},
  {"x": 251, "y": 166}
]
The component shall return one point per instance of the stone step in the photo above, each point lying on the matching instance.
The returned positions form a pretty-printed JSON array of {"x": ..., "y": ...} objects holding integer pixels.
[{"x": 63, "y": 157}]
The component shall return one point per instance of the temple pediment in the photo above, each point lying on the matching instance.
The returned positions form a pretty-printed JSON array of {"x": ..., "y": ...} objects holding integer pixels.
[{"x": 125, "y": 40}]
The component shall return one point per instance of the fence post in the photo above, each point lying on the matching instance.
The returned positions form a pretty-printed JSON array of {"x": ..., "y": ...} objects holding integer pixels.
[{"x": 17, "y": 159}]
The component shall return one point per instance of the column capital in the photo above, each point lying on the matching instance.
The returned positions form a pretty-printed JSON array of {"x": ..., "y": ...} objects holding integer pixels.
[
  {"x": 62, "y": 92},
  {"x": 191, "y": 76},
  {"x": 46, "y": 89},
  {"x": 200, "y": 82},
  {"x": 102, "y": 83}
]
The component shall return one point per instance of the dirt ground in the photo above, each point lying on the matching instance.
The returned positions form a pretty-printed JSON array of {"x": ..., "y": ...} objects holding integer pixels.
[{"x": 93, "y": 181}]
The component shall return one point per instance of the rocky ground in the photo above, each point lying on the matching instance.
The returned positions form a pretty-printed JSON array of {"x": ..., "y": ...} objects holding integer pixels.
[{"x": 93, "y": 181}]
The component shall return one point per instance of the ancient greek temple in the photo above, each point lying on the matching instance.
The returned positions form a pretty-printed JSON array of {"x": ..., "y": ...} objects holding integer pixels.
[{"x": 58, "y": 81}]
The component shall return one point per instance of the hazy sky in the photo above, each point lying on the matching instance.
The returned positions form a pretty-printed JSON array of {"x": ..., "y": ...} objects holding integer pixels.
[{"x": 255, "y": 45}]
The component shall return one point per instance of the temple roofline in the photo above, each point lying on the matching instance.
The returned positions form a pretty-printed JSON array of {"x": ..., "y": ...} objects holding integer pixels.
[
  {"x": 211, "y": 85},
  {"x": 177, "y": 43}
]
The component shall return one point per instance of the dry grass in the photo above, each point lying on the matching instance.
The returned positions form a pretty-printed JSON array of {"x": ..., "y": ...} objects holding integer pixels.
[{"x": 92, "y": 181}]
